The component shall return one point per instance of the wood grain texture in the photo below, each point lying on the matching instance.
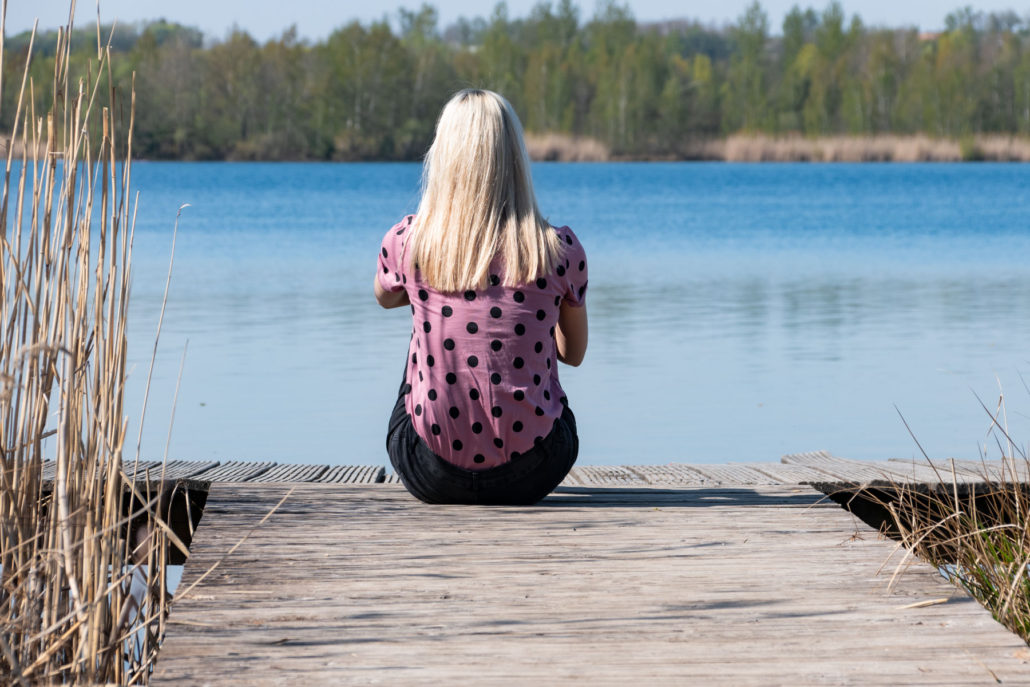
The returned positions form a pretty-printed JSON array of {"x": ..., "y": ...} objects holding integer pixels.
[
  {"x": 352, "y": 474},
  {"x": 859, "y": 471},
  {"x": 976, "y": 470},
  {"x": 236, "y": 471},
  {"x": 288, "y": 472},
  {"x": 767, "y": 585}
]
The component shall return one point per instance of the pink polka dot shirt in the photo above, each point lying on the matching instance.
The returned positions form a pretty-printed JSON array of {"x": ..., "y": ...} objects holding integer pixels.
[{"x": 482, "y": 373}]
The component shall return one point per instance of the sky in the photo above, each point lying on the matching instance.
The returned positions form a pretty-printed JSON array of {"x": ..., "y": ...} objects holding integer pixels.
[{"x": 315, "y": 19}]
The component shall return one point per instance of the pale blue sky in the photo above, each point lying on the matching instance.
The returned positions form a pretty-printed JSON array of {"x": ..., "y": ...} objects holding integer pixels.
[{"x": 316, "y": 18}]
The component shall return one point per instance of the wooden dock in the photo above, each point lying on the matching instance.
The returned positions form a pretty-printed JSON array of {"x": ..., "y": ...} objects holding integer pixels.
[{"x": 735, "y": 574}]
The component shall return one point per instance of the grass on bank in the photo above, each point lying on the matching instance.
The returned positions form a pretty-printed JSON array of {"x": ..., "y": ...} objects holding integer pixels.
[
  {"x": 978, "y": 535},
  {"x": 795, "y": 148},
  {"x": 82, "y": 586}
]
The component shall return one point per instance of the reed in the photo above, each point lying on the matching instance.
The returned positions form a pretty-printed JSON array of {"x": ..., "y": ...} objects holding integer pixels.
[
  {"x": 796, "y": 148},
  {"x": 978, "y": 535},
  {"x": 884, "y": 148},
  {"x": 82, "y": 586},
  {"x": 565, "y": 148}
]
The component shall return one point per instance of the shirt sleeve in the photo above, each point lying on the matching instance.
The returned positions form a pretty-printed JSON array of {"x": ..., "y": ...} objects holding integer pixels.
[
  {"x": 391, "y": 256},
  {"x": 574, "y": 266}
]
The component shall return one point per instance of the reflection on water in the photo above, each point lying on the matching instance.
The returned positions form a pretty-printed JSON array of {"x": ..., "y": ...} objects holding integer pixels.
[{"x": 737, "y": 312}]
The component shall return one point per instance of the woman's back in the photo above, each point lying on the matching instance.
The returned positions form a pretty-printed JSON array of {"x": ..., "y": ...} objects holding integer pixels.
[
  {"x": 496, "y": 296},
  {"x": 481, "y": 379}
]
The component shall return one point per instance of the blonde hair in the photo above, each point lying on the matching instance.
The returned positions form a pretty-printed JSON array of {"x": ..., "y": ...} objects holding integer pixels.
[{"x": 478, "y": 201}]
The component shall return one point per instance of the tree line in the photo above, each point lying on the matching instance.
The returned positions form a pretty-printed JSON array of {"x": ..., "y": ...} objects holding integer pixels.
[{"x": 373, "y": 91}]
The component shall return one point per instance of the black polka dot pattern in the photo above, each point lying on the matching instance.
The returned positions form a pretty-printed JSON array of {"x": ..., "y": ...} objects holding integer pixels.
[{"x": 481, "y": 387}]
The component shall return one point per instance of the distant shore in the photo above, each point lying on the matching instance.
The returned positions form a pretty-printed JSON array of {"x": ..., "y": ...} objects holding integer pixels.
[
  {"x": 758, "y": 148},
  {"x": 764, "y": 148}
]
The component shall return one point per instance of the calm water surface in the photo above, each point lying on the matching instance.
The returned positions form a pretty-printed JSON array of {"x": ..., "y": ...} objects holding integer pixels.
[{"x": 738, "y": 312}]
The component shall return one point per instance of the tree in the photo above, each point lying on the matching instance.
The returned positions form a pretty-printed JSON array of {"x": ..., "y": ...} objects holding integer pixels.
[{"x": 747, "y": 78}]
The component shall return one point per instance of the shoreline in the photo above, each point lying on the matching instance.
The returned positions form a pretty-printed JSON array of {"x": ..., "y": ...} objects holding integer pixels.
[
  {"x": 556, "y": 147},
  {"x": 795, "y": 148}
]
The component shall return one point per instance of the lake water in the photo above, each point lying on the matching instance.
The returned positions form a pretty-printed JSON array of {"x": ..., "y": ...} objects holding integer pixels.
[{"x": 737, "y": 312}]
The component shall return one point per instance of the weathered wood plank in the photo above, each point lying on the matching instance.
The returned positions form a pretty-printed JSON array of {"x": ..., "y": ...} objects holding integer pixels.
[
  {"x": 975, "y": 470},
  {"x": 182, "y": 469},
  {"x": 606, "y": 475},
  {"x": 858, "y": 472},
  {"x": 235, "y": 471},
  {"x": 731, "y": 474},
  {"x": 289, "y": 472},
  {"x": 142, "y": 470},
  {"x": 780, "y": 473},
  {"x": 670, "y": 474},
  {"x": 353, "y": 474},
  {"x": 601, "y": 586}
]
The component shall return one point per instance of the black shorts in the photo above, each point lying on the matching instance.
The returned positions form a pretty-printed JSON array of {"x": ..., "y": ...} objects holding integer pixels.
[{"x": 523, "y": 481}]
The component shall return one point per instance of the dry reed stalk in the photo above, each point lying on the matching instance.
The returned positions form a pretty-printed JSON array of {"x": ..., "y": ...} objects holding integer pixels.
[
  {"x": 70, "y": 548},
  {"x": 881, "y": 148},
  {"x": 566, "y": 148}
]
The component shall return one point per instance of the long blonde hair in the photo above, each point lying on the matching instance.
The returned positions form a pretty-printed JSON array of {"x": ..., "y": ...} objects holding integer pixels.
[{"x": 478, "y": 201}]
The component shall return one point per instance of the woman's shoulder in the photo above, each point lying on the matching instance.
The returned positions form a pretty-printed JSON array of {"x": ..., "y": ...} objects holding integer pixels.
[
  {"x": 566, "y": 234},
  {"x": 395, "y": 237},
  {"x": 571, "y": 269},
  {"x": 402, "y": 226}
]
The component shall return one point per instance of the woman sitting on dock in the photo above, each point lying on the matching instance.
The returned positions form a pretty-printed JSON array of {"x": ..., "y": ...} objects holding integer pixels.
[{"x": 497, "y": 299}]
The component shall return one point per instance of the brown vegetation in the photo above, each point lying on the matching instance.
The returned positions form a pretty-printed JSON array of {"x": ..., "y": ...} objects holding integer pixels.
[
  {"x": 762, "y": 148},
  {"x": 566, "y": 148},
  {"x": 82, "y": 563}
]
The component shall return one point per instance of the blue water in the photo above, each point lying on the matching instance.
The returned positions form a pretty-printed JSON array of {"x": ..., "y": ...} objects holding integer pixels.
[{"x": 737, "y": 312}]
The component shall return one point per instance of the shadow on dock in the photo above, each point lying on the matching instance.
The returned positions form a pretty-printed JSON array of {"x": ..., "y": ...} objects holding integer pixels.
[{"x": 695, "y": 497}]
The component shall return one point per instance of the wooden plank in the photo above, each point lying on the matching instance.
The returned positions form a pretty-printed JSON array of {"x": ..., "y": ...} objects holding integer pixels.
[
  {"x": 860, "y": 472},
  {"x": 603, "y": 475},
  {"x": 290, "y": 472},
  {"x": 670, "y": 474},
  {"x": 235, "y": 471},
  {"x": 780, "y": 473},
  {"x": 49, "y": 470},
  {"x": 731, "y": 474},
  {"x": 975, "y": 470},
  {"x": 182, "y": 469},
  {"x": 353, "y": 474},
  {"x": 348, "y": 585},
  {"x": 142, "y": 470},
  {"x": 917, "y": 471}
]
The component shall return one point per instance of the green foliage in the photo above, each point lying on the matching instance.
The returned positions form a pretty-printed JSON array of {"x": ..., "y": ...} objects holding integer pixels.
[{"x": 374, "y": 91}]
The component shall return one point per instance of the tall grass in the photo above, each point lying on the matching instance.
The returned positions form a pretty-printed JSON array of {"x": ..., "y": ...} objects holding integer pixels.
[
  {"x": 977, "y": 534},
  {"x": 72, "y": 547}
]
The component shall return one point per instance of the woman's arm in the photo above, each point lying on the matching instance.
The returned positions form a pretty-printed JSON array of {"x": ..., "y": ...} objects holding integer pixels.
[
  {"x": 571, "y": 334},
  {"x": 390, "y": 299}
]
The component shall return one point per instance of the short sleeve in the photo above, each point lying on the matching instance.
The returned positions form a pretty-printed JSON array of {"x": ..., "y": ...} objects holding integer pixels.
[
  {"x": 573, "y": 268},
  {"x": 391, "y": 262}
]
